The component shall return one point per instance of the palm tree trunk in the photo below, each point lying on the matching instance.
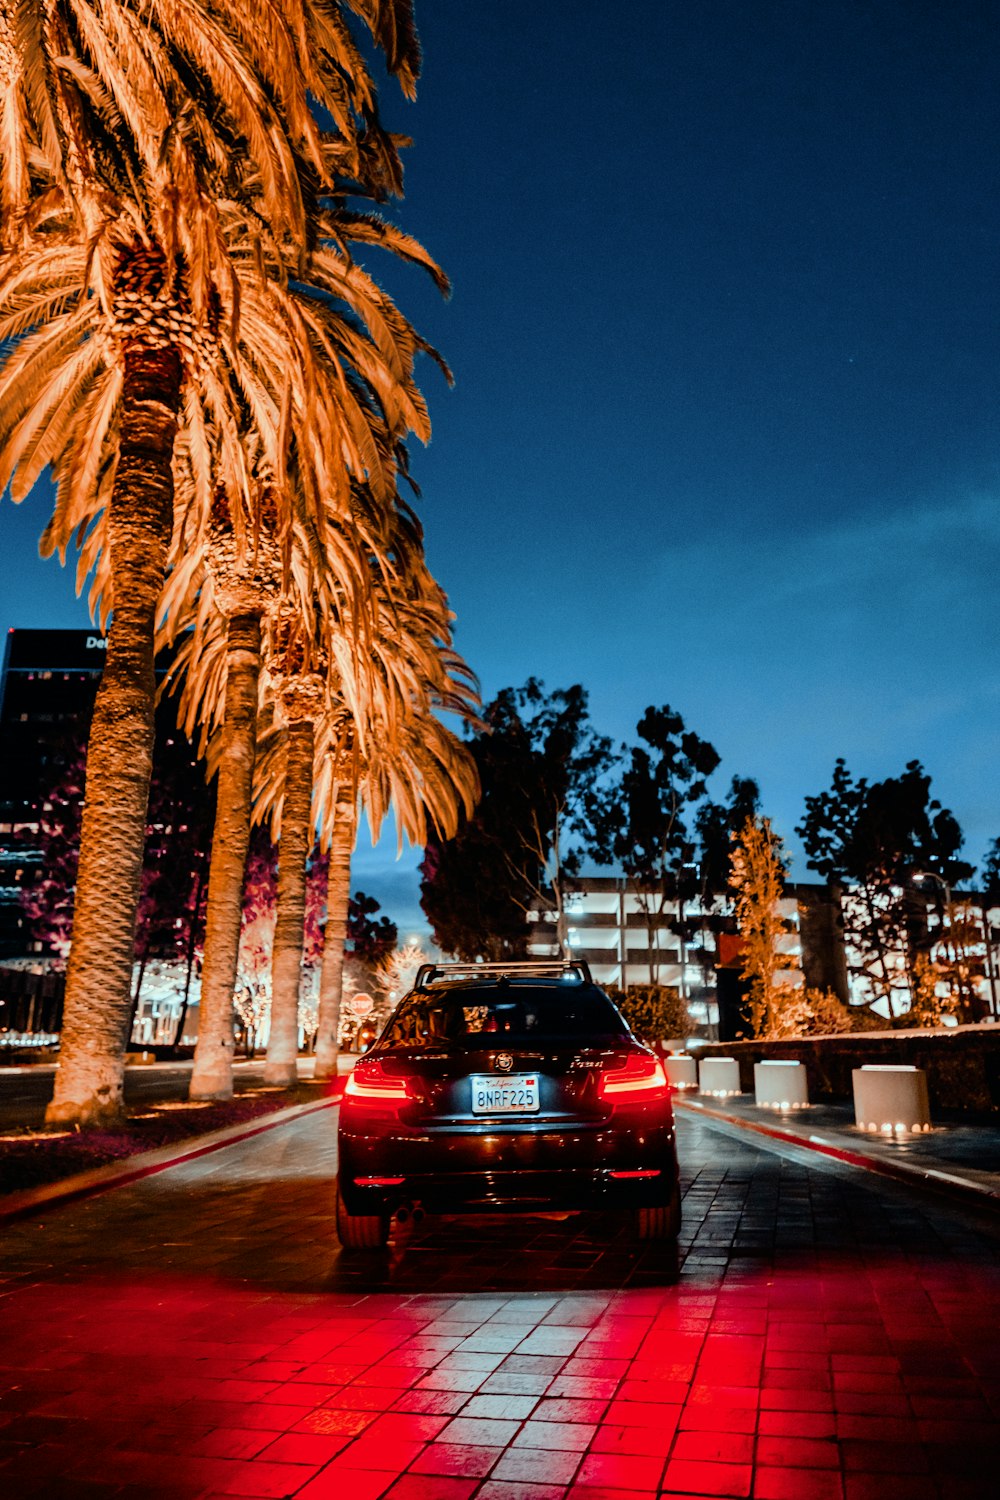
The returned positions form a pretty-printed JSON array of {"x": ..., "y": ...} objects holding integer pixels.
[
  {"x": 293, "y": 849},
  {"x": 338, "y": 897},
  {"x": 212, "y": 1074},
  {"x": 90, "y": 1077}
]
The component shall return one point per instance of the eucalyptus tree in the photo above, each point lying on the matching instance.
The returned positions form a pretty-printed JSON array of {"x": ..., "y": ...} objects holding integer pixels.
[
  {"x": 641, "y": 822},
  {"x": 139, "y": 145},
  {"x": 867, "y": 839}
]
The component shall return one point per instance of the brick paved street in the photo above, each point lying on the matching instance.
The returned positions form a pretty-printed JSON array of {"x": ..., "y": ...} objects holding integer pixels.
[{"x": 832, "y": 1337}]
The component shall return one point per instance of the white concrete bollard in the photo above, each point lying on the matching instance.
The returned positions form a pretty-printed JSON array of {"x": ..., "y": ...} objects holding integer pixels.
[
  {"x": 891, "y": 1099},
  {"x": 719, "y": 1076},
  {"x": 682, "y": 1071},
  {"x": 780, "y": 1084}
]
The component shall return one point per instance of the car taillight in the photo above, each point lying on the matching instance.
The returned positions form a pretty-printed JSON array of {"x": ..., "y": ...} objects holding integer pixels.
[
  {"x": 640, "y": 1081},
  {"x": 369, "y": 1083}
]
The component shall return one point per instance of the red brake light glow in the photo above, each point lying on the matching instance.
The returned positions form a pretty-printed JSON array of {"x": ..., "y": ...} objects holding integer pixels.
[
  {"x": 640, "y": 1081},
  {"x": 371, "y": 1084}
]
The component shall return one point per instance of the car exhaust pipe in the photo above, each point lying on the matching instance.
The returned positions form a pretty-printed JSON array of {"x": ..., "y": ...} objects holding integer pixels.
[
  {"x": 402, "y": 1214},
  {"x": 418, "y": 1214}
]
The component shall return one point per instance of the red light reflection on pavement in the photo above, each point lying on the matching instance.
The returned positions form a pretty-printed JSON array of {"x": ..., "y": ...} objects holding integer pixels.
[{"x": 827, "y": 1381}]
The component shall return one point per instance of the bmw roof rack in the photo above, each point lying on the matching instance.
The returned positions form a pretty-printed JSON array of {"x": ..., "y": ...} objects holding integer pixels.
[{"x": 532, "y": 968}]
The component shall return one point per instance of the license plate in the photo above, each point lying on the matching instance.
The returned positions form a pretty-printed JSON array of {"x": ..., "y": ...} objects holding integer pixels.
[{"x": 517, "y": 1095}]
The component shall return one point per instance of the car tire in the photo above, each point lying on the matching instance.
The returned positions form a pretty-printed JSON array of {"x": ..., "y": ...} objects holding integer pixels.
[
  {"x": 661, "y": 1221},
  {"x": 361, "y": 1231}
]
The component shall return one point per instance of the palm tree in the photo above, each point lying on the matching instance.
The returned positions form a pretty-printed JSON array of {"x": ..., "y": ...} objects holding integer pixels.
[
  {"x": 237, "y": 588},
  {"x": 342, "y": 832},
  {"x": 297, "y": 662},
  {"x": 214, "y": 604},
  {"x": 118, "y": 282},
  {"x": 378, "y": 741}
]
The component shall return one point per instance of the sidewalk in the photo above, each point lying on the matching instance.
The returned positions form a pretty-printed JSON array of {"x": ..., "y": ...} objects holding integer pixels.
[
  {"x": 959, "y": 1159},
  {"x": 39, "y": 1169},
  {"x": 28, "y": 1201}
]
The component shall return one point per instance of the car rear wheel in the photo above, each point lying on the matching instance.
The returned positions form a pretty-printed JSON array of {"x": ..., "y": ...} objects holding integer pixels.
[
  {"x": 360, "y": 1231},
  {"x": 661, "y": 1221}
]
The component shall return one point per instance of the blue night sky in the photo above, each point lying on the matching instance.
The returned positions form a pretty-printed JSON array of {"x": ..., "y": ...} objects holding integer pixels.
[{"x": 725, "y": 333}]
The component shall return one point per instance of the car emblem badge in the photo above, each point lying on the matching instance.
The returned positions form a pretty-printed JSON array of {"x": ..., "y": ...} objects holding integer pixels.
[{"x": 504, "y": 1062}]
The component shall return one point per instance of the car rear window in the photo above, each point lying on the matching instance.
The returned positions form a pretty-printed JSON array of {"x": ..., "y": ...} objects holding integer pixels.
[{"x": 480, "y": 1017}]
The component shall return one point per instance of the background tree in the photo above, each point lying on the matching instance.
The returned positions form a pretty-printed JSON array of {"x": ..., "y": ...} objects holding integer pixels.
[
  {"x": 253, "y": 974},
  {"x": 928, "y": 1006},
  {"x": 716, "y": 825},
  {"x": 953, "y": 957},
  {"x": 253, "y": 992},
  {"x": 991, "y": 873},
  {"x": 645, "y": 820},
  {"x": 757, "y": 881},
  {"x": 398, "y": 970},
  {"x": 539, "y": 762},
  {"x": 564, "y": 762},
  {"x": 333, "y": 973},
  {"x": 474, "y": 908},
  {"x": 371, "y": 939},
  {"x": 868, "y": 840}
]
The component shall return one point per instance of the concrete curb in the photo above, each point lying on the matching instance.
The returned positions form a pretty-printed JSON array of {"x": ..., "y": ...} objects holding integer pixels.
[
  {"x": 947, "y": 1184},
  {"x": 81, "y": 1185}
]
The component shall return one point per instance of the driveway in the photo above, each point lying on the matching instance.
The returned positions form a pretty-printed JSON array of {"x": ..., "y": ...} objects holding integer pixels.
[{"x": 832, "y": 1337}]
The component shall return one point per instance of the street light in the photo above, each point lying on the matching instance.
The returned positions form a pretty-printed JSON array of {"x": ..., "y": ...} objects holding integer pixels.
[{"x": 919, "y": 876}]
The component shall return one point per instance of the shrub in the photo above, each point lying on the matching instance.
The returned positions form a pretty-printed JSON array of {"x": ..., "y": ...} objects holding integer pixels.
[
  {"x": 653, "y": 1011},
  {"x": 927, "y": 1007},
  {"x": 828, "y": 1015}
]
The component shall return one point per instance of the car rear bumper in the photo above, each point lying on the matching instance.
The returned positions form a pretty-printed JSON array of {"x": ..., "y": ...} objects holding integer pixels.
[
  {"x": 511, "y": 1192},
  {"x": 451, "y": 1172}
]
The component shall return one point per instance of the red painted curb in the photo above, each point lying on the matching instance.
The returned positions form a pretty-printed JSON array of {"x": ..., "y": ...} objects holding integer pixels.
[
  {"x": 88, "y": 1185},
  {"x": 970, "y": 1193}
]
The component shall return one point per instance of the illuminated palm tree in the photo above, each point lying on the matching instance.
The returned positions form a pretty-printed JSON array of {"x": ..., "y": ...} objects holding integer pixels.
[
  {"x": 377, "y": 742},
  {"x": 298, "y": 663},
  {"x": 162, "y": 138},
  {"x": 215, "y": 602},
  {"x": 237, "y": 586},
  {"x": 430, "y": 774}
]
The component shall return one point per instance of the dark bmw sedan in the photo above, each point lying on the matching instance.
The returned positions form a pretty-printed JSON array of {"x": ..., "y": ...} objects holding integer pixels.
[{"x": 514, "y": 1089}]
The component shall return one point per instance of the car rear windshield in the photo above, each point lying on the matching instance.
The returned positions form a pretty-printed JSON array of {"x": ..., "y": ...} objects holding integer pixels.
[{"x": 485, "y": 1017}]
